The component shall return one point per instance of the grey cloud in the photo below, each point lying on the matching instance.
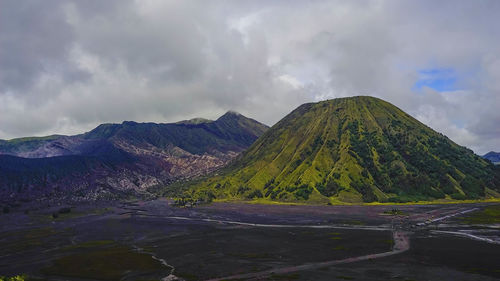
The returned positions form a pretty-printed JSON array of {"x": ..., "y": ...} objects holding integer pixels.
[
  {"x": 34, "y": 39},
  {"x": 66, "y": 66},
  {"x": 162, "y": 43}
]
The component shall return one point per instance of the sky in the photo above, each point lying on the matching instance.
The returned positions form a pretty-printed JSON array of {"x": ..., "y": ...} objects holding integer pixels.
[{"x": 67, "y": 66}]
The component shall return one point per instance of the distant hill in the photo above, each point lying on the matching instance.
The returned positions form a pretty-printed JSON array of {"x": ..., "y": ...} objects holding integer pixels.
[
  {"x": 493, "y": 157},
  {"x": 114, "y": 160},
  {"x": 358, "y": 149}
]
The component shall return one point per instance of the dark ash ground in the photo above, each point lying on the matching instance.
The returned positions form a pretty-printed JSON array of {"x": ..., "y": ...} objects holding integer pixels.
[{"x": 154, "y": 241}]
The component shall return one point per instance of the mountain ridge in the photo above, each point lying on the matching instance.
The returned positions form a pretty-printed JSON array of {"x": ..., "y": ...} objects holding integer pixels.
[{"x": 121, "y": 158}]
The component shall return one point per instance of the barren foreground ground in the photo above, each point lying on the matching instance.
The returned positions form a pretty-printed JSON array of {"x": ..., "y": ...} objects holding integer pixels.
[{"x": 228, "y": 241}]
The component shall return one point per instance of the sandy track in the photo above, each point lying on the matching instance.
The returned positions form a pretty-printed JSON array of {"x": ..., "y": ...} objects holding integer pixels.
[
  {"x": 468, "y": 235},
  {"x": 448, "y": 215},
  {"x": 401, "y": 244},
  {"x": 357, "y": 227}
]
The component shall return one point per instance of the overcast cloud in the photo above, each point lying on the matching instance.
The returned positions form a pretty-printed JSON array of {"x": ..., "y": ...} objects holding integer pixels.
[{"x": 67, "y": 66}]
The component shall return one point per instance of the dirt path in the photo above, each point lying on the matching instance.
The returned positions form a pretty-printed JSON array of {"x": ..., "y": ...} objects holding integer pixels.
[
  {"x": 322, "y": 226},
  {"x": 401, "y": 244},
  {"x": 468, "y": 235},
  {"x": 447, "y": 216}
]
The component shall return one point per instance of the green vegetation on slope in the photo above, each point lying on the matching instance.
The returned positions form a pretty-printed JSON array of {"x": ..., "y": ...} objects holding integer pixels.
[
  {"x": 24, "y": 144},
  {"x": 359, "y": 149},
  {"x": 13, "y": 278}
]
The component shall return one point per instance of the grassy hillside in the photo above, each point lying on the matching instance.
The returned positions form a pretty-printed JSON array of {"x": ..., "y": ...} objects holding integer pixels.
[{"x": 358, "y": 149}]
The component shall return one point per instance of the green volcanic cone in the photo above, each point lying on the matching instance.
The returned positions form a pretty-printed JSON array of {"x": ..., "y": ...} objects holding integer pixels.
[{"x": 358, "y": 149}]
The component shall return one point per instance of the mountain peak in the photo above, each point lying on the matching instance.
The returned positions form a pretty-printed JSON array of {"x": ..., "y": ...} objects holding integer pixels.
[
  {"x": 231, "y": 114},
  {"x": 492, "y": 156}
]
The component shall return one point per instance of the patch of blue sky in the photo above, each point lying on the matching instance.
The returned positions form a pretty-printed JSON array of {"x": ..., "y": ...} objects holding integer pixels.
[
  {"x": 439, "y": 79},
  {"x": 459, "y": 123}
]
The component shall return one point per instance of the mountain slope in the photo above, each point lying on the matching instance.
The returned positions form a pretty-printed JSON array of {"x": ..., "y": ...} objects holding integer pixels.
[
  {"x": 114, "y": 159},
  {"x": 353, "y": 150},
  {"x": 492, "y": 156}
]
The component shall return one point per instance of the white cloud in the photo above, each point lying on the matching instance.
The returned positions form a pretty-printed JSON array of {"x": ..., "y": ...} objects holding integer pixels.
[{"x": 293, "y": 81}]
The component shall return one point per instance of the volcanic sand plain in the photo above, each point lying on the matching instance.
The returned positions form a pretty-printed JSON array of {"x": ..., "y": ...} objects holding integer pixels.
[{"x": 153, "y": 240}]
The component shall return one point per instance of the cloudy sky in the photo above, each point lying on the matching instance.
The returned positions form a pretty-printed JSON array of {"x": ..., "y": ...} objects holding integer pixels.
[{"x": 67, "y": 66}]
